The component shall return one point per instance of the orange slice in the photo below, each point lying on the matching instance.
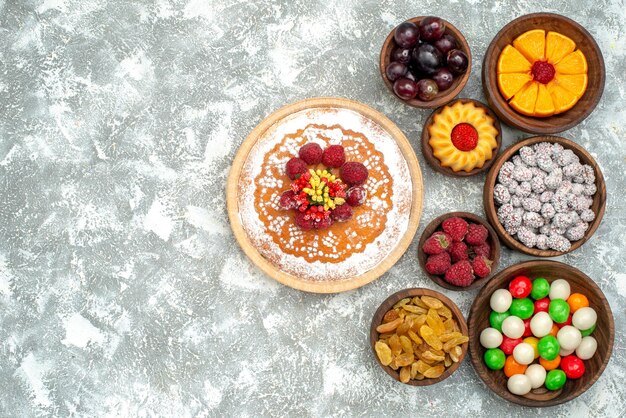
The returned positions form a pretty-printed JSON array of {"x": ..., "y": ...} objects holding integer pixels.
[
  {"x": 558, "y": 46},
  {"x": 544, "y": 106},
  {"x": 573, "y": 63},
  {"x": 511, "y": 83},
  {"x": 532, "y": 44},
  {"x": 563, "y": 99},
  {"x": 575, "y": 83},
  {"x": 525, "y": 99},
  {"x": 511, "y": 61}
]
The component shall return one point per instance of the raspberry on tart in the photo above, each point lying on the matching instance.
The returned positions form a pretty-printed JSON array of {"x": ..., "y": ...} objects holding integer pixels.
[{"x": 463, "y": 136}]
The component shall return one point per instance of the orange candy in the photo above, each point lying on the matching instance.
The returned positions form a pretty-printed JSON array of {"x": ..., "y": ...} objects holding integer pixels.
[
  {"x": 577, "y": 301},
  {"x": 554, "y": 330},
  {"x": 550, "y": 364},
  {"x": 512, "y": 367}
]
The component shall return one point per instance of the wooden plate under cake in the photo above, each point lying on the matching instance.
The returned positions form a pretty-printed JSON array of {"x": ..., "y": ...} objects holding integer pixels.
[{"x": 348, "y": 254}]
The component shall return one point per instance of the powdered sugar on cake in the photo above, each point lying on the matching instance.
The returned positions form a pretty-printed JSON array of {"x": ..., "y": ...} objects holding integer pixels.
[{"x": 353, "y": 247}]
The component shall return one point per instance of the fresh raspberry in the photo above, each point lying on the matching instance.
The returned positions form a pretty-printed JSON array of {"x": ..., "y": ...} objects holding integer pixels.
[
  {"x": 438, "y": 263},
  {"x": 458, "y": 251},
  {"x": 356, "y": 196},
  {"x": 464, "y": 137},
  {"x": 353, "y": 173},
  {"x": 455, "y": 227},
  {"x": 334, "y": 156},
  {"x": 323, "y": 223},
  {"x": 476, "y": 234},
  {"x": 543, "y": 72},
  {"x": 460, "y": 274},
  {"x": 341, "y": 213},
  {"x": 437, "y": 243},
  {"x": 311, "y": 153},
  {"x": 483, "y": 249},
  {"x": 303, "y": 222},
  {"x": 482, "y": 266},
  {"x": 295, "y": 167},
  {"x": 287, "y": 200}
]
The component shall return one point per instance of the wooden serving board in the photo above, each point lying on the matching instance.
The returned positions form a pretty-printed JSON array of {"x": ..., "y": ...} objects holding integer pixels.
[{"x": 327, "y": 286}]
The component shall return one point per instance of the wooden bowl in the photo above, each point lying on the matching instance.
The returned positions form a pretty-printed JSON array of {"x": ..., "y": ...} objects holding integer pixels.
[
  {"x": 435, "y": 225},
  {"x": 584, "y": 42},
  {"x": 579, "y": 282},
  {"x": 598, "y": 206},
  {"x": 442, "y": 97},
  {"x": 434, "y": 162},
  {"x": 388, "y": 304}
]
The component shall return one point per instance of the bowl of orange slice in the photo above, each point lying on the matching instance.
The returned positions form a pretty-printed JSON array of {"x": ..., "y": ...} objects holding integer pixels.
[{"x": 543, "y": 73}]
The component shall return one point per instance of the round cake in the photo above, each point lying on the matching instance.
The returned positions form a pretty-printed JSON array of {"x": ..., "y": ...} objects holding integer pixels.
[{"x": 344, "y": 249}]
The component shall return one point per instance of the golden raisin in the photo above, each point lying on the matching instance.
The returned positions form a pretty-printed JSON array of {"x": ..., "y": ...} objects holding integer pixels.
[
  {"x": 384, "y": 353},
  {"x": 389, "y": 326},
  {"x": 391, "y": 315}
]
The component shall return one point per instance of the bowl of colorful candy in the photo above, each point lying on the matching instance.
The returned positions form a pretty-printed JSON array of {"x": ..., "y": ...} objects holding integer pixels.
[
  {"x": 425, "y": 61},
  {"x": 541, "y": 333}
]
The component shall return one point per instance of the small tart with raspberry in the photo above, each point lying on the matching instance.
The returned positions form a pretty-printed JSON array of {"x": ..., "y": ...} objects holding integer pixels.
[{"x": 461, "y": 138}]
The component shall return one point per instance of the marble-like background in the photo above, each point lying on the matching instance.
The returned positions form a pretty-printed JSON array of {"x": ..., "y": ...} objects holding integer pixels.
[{"x": 122, "y": 289}]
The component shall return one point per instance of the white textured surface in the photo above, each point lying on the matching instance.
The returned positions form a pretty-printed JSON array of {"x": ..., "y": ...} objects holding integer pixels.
[{"x": 122, "y": 290}]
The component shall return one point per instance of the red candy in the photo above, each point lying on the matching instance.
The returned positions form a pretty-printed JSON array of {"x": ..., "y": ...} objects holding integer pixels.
[
  {"x": 527, "y": 331},
  {"x": 542, "y": 305},
  {"x": 520, "y": 287},
  {"x": 573, "y": 367},
  {"x": 508, "y": 344},
  {"x": 568, "y": 322}
]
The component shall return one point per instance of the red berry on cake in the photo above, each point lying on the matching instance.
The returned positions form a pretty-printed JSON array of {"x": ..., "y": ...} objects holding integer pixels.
[
  {"x": 304, "y": 221},
  {"x": 458, "y": 251},
  {"x": 334, "y": 156},
  {"x": 483, "y": 249},
  {"x": 341, "y": 213},
  {"x": 311, "y": 153},
  {"x": 288, "y": 200},
  {"x": 476, "y": 234},
  {"x": 481, "y": 266},
  {"x": 356, "y": 196},
  {"x": 438, "y": 263},
  {"x": 295, "y": 167},
  {"x": 460, "y": 274},
  {"x": 437, "y": 243},
  {"x": 455, "y": 227},
  {"x": 353, "y": 173}
]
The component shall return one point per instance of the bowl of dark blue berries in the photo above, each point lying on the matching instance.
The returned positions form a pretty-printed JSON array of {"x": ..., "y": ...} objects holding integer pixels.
[
  {"x": 425, "y": 61},
  {"x": 545, "y": 196}
]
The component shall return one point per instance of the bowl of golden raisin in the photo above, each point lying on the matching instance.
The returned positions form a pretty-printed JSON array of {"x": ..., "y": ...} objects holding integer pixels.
[{"x": 419, "y": 336}]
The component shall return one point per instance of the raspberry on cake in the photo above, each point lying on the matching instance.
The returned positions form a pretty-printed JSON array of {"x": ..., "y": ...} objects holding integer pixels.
[
  {"x": 334, "y": 156},
  {"x": 463, "y": 136}
]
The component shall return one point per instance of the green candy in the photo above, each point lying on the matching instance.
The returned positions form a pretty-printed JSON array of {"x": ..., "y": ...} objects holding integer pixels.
[
  {"x": 496, "y": 319},
  {"x": 548, "y": 347},
  {"x": 588, "y": 331},
  {"x": 540, "y": 289},
  {"x": 522, "y": 308},
  {"x": 555, "y": 379},
  {"x": 494, "y": 358},
  {"x": 558, "y": 310}
]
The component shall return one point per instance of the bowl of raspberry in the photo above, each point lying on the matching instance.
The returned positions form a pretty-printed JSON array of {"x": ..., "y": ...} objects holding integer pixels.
[
  {"x": 459, "y": 251},
  {"x": 425, "y": 61}
]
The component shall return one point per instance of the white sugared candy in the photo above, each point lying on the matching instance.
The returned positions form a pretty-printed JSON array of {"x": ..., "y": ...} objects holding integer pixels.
[
  {"x": 537, "y": 375},
  {"x": 524, "y": 353},
  {"x": 541, "y": 324},
  {"x": 584, "y": 318},
  {"x": 563, "y": 352},
  {"x": 519, "y": 384},
  {"x": 587, "y": 348},
  {"x": 559, "y": 289},
  {"x": 513, "y": 327},
  {"x": 569, "y": 337},
  {"x": 490, "y": 338},
  {"x": 501, "y": 300}
]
